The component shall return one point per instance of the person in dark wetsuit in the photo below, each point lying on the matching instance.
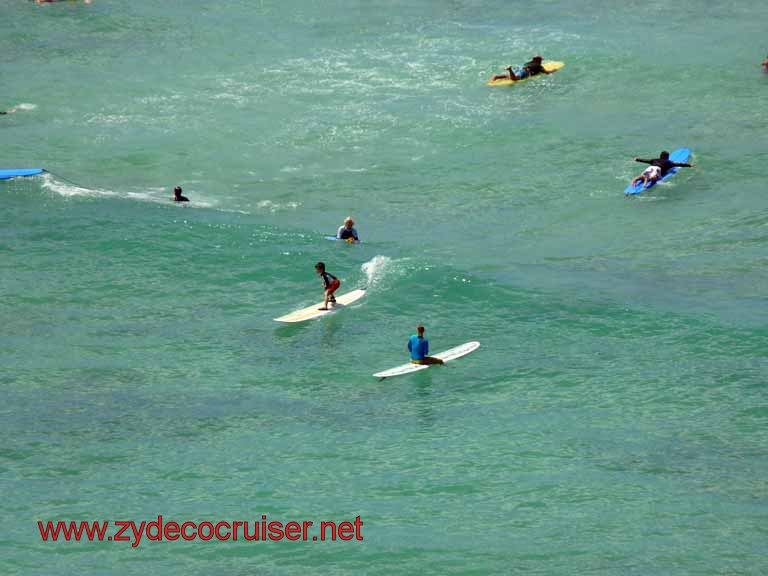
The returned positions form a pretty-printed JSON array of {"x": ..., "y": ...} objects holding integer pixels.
[
  {"x": 347, "y": 231},
  {"x": 659, "y": 167},
  {"x": 177, "y": 197},
  {"x": 529, "y": 69},
  {"x": 330, "y": 284},
  {"x": 535, "y": 66}
]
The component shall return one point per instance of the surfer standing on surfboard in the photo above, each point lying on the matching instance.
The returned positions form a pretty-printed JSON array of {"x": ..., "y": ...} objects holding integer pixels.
[
  {"x": 418, "y": 346},
  {"x": 330, "y": 284}
]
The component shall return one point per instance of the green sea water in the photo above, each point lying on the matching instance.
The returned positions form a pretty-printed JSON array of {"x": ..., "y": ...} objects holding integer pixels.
[{"x": 615, "y": 418}]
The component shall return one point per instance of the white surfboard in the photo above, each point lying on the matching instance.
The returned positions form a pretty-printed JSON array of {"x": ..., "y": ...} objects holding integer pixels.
[
  {"x": 446, "y": 356},
  {"x": 312, "y": 311}
]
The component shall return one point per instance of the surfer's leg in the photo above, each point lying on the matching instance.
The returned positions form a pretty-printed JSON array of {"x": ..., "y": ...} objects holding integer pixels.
[
  {"x": 331, "y": 289},
  {"x": 431, "y": 360}
]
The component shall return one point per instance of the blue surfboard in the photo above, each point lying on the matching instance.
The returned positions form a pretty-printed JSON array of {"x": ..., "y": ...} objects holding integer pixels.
[
  {"x": 681, "y": 155},
  {"x": 335, "y": 239},
  {"x": 19, "y": 172}
]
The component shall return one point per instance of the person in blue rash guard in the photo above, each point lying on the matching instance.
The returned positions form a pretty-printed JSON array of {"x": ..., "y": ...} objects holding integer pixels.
[{"x": 418, "y": 346}]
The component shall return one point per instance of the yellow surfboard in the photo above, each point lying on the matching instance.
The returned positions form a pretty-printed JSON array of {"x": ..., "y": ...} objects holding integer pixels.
[
  {"x": 549, "y": 66},
  {"x": 312, "y": 311}
]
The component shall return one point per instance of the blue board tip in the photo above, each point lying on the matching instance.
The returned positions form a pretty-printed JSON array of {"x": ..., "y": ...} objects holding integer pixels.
[{"x": 20, "y": 172}]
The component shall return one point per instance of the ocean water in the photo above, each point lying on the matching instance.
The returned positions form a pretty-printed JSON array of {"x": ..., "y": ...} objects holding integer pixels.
[{"x": 615, "y": 418}]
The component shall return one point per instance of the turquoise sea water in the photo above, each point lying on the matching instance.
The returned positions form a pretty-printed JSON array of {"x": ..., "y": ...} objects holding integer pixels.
[{"x": 615, "y": 419}]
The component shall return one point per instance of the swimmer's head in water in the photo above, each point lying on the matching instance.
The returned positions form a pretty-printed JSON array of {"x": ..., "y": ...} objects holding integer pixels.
[
  {"x": 537, "y": 58},
  {"x": 177, "y": 190},
  {"x": 348, "y": 222}
]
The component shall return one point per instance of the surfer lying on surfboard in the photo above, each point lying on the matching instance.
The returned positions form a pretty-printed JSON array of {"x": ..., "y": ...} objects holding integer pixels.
[
  {"x": 659, "y": 167},
  {"x": 531, "y": 68},
  {"x": 418, "y": 346},
  {"x": 347, "y": 231},
  {"x": 330, "y": 284}
]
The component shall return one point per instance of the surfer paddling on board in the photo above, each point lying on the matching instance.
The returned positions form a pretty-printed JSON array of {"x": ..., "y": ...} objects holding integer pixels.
[
  {"x": 347, "y": 231},
  {"x": 330, "y": 284},
  {"x": 418, "y": 346},
  {"x": 177, "y": 197},
  {"x": 659, "y": 167},
  {"x": 531, "y": 68}
]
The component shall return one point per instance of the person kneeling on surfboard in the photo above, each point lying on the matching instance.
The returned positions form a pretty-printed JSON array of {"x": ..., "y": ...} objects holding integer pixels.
[
  {"x": 330, "y": 284},
  {"x": 418, "y": 346},
  {"x": 659, "y": 167},
  {"x": 347, "y": 231}
]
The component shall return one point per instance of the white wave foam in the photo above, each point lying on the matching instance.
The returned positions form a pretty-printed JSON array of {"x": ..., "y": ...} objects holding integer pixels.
[
  {"x": 23, "y": 106},
  {"x": 71, "y": 189},
  {"x": 275, "y": 206},
  {"x": 376, "y": 268}
]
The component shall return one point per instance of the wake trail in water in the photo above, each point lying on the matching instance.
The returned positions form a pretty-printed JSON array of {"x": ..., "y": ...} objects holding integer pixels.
[
  {"x": 21, "y": 107},
  {"x": 69, "y": 189},
  {"x": 157, "y": 195}
]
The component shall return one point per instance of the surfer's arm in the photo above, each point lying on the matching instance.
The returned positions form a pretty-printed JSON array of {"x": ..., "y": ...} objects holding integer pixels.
[
  {"x": 682, "y": 165},
  {"x": 643, "y": 161}
]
